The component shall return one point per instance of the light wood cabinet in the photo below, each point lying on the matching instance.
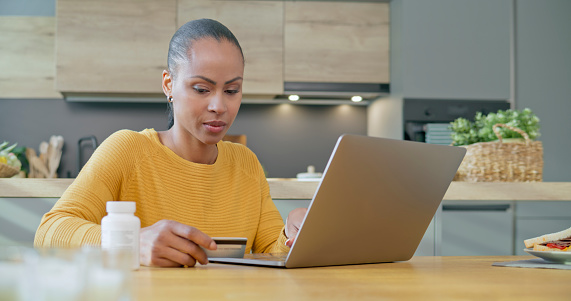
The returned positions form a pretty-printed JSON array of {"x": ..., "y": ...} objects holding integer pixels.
[
  {"x": 336, "y": 42},
  {"x": 113, "y": 46},
  {"x": 27, "y": 66},
  {"x": 258, "y": 26},
  {"x": 106, "y": 46}
]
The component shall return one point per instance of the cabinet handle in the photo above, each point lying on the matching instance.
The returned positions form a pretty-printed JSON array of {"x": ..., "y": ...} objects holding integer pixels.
[{"x": 475, "y": 207}]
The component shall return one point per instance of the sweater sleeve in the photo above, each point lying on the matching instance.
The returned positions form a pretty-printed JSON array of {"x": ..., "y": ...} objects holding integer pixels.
[
  {"x": 76, "y": 217},
  {"x": 271, "y": 231}
]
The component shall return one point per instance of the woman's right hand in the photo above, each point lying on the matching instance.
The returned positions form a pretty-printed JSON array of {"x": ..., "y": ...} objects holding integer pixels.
[{"x": 169, "y": 244}]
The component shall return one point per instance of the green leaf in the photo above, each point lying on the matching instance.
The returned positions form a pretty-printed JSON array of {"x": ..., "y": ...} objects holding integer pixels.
[{"x": 465, "y": 132}]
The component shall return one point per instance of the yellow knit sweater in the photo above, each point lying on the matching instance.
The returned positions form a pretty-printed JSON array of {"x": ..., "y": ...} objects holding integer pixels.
[{"x": 229, "y": 198}]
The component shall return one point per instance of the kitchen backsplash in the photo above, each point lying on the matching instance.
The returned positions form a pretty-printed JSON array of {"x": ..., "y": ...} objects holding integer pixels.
[{"x": 286, "y": 138}]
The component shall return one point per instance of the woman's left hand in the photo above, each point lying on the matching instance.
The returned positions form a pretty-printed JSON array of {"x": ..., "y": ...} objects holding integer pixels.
[{"x": 293, "y": 222}]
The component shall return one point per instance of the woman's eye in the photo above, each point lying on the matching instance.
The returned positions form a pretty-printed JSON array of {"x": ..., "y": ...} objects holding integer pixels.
[
  {"x": 232, "y": 91},
  {"x": 200, "y": 90}
]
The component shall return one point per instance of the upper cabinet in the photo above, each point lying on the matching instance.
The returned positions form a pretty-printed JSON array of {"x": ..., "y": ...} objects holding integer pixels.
[
  {"x": 336, "y": 42},
  {"x": 27, "y": 67},
  {"x": 113, "y": 46},
  {"x": 258, "y": 26},
  {"x": 449, "y": 49},
  {"x": 110, "y": 46}
]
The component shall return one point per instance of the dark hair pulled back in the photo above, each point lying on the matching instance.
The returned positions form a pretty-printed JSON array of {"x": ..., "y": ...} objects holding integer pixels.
[{"x": 182, "y": 41}]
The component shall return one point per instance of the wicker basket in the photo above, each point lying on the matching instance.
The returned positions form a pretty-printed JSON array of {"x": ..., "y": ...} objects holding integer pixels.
[
  {"x": 498, "y": 161},
  {"x": 7, "y": 171}
]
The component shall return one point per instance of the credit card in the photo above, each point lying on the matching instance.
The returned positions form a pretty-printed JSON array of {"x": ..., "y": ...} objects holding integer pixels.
[{"x": 232, "y": 247}]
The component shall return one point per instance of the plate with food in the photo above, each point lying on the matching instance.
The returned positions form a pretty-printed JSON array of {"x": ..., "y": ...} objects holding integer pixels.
[
  {"x": 553, "y": 247},
  {"x": 552, "y": 256}
]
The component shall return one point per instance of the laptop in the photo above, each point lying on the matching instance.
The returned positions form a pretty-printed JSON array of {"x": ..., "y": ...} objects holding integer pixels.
[{"x": 374, "y": 203}]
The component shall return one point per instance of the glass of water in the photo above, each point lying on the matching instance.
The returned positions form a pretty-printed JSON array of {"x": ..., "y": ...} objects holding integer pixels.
[{"x": 12, "y": 272}]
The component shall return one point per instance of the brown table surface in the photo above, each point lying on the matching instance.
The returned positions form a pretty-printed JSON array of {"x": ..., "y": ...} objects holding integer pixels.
[
  {"x": 421, "y": 278},
  {"x": 292, "y": 189}
]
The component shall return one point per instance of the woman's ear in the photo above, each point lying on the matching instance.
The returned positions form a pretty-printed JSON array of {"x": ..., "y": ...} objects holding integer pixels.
[{"x": 167, "y": 83}]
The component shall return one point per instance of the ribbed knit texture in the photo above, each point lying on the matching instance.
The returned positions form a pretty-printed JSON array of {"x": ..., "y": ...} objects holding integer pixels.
[{"x": 229, "y": 198}]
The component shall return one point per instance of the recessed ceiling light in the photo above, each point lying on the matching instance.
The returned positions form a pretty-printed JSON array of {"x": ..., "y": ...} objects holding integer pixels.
[
  {"x": 293, "y": 97},
  {"x": 356, "y": 98}
]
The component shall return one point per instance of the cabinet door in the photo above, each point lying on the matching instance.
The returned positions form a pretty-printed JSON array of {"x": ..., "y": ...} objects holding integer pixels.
[
  {"x": 427, "y": 246},
  {"x": 285, "y": 206},
  {"x": 27, "y": 66},
  {"x": 258, "y": 26},
  {"x": 113, "y": 46},
  {"x": 336, "y": 42},
  {"x": 477, "y": 229},
  {"x": 20, "y": 218},
  {"x": 534, "y": 219},
  {"x": 453, "y": 49}
]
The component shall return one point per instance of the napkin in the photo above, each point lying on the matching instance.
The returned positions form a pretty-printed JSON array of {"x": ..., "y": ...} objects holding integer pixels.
[{"x": 537, "y": 263}]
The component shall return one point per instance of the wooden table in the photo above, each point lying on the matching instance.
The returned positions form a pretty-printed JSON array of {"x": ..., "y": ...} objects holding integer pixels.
[
  {"x": 293, "y": 189},
  {"x": 421, "y": 278}
]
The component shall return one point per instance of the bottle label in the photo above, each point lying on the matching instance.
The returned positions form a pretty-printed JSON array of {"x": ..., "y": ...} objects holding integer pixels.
[{"x": 118, "y": 239}]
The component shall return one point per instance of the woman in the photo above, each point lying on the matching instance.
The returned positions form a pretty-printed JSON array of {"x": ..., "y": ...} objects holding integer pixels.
[{"x": 189, "y": 186}]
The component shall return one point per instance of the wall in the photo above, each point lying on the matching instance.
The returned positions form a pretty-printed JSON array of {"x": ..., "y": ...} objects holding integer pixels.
[
  {"x": 381, "y": 119},
  {"x": 385, "y": 115},
  {"x": 542, "y": 65},
  {"x": 27, "y": 7},
  {"x": 543, "y": 77},
  {"x": 285, "y": 137}
]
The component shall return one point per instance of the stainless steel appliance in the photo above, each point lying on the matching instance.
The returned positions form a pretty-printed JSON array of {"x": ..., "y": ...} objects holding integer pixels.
[{"x": 417, "y": 113}]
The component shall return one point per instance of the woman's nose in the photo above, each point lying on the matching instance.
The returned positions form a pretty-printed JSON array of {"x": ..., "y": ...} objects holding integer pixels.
[{"x": 217, "y": 104}]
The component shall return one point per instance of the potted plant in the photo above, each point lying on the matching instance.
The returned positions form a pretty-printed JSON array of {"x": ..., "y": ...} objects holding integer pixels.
[
  {"x": 489, "y": 158},
  {"x": 465, "y": 132},
  {"x": 9, "y": 163}
]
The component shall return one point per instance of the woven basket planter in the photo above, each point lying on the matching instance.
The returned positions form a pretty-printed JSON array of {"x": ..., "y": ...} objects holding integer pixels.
[
  {"x": 498, "y": 161},
  {"x": 7, "y": 171}
]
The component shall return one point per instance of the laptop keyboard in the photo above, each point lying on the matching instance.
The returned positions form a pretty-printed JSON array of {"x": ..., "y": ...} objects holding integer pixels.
[{"x": 267, "y": 256}]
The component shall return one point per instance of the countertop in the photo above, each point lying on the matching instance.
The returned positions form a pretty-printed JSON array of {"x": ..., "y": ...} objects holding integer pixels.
[
  {"x": 293, "y": 189},
  {"x": 421, "y": 278}
]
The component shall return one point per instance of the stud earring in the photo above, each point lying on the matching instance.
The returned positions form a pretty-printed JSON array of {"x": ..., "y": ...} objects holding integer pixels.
[{"x": 170, "y": 98}]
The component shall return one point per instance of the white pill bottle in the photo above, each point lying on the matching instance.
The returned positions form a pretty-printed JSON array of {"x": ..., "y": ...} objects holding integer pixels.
[{"x": 120, "y": 230}]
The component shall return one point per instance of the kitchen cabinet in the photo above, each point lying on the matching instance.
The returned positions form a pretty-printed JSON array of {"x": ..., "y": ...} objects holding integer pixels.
[
  {"x": 285, "y": 206},
  {"x": 20, "y": 218},
  {"x": 448, "y": 49},
  {"x": 258, "y": 26},
  {"x": 113, "y": 46},
  {"x": 538, "y": 218},
  {"x": 430, "y": 243},
  {"x": 543, "y": 64},
  {"x": 336, "y": 42},
  {"x": 121, "y": 47},
  {"x": 477, "y": 228},
  {"x": 27, "y": 66}
]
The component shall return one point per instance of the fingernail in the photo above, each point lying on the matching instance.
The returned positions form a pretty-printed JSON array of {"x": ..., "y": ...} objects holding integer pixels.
[
  {"x": 288, "y": 243},
  {"x": 213, "y": 246}
]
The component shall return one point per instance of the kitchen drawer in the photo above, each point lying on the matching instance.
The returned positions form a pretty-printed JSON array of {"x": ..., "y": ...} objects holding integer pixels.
[
  {"x": 477, "y": 229},
  {"x": 428, "y": 245},
  {"x": 543, "y": 209}
]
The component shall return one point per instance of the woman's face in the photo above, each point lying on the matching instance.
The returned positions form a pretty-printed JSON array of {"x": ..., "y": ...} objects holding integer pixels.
[{"x": 207, "y": 89}]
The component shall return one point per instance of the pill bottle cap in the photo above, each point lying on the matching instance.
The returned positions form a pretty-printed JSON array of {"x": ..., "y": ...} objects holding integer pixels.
[{"x": 121, "y": 207}]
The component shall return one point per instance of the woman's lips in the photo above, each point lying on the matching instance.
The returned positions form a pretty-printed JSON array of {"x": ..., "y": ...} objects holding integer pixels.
[{"x": 215, "y": 126}]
